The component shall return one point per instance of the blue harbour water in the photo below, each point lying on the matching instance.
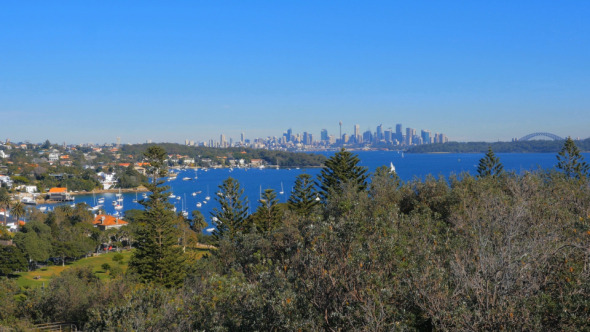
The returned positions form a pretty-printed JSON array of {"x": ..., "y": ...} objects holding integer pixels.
[{"x": 254, "y": 180}]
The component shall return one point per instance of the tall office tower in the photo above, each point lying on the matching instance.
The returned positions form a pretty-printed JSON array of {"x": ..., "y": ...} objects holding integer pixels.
[
  {"x": 345, "y": 138},
  {"x": 425, "y": 136},
  {"x": 387, "y": 135},
  {"x": 379, "y": 132},
  {"x": 410, "y": 132},
  {"x": 331, "y": 139},
  {"x": 118, "y": 142},
  {"x": 305, "y": 142},
  {"x": 324, "y": 135},
  {"x": 222, "y": 140},
  {"x": 289, "y": 135},
  {"x": 242, "y": 138},
  {"x": 357, "y": 134},
  {"x": 368, "y": 136},
  {"x": 399, "y": 135}
]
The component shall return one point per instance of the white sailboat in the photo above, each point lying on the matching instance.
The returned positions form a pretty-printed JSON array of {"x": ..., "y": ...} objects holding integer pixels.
[
  {"x": 119, "y": 196},
  {"x": 391, "y": 168},
  {"x": 208, "y": 197},
  {"x": 282, "y": 191},
  {"x": 199, "y": 204}
]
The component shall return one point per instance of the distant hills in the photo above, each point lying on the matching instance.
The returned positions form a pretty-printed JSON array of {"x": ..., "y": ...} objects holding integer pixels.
[{"x": 535, "y": 146}]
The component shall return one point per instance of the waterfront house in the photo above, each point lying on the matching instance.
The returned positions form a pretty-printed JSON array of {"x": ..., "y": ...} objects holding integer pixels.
[
  {"x": 59, "y": 194},
  {"x": 105, "y": 222}
]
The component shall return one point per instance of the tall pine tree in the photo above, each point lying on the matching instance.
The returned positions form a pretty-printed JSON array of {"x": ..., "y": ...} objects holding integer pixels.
[
  {"x": 489, "y": 165},
  {"x": 342, "y": 168},
  {"x": 304, "y": 197},
  {"x": 158, "y": 258},
  {"x": 570, "y": 161},
  {"x": 268, "y": 214},
  {"x": 231, "y": 217}
]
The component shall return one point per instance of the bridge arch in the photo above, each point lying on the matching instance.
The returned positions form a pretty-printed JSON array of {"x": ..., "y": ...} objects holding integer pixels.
[{"x": 550, "y": 135}]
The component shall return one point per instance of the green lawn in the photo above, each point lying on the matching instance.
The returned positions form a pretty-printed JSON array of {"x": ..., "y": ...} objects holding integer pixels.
[{"x": 27, "y": 279}]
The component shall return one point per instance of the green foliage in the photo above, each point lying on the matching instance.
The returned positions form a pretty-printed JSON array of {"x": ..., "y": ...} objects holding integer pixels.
[
  {"x": 467, "y": 253},
  {"x": 231, "y": 218},
  {"x": 268, "y": 215},
  {"x": 489, "y": 165},
  {"x": 304, "y": 197},
  {"x": 340, "y": 169},
  {"x": 4, "y": 202},
  {"x": 11, "y": 260},
  {"x": 533, "y": 146},
  {"x": 105, "y": 266},
  {"x": 118, "y": 258},
  {"x": 34, "y": 240},
  {"x": 571, "y": 162},
  {"x": 198, "y": 222},
  {"x": 130, "y": 178},
  {"x": 157, "y": 258}
]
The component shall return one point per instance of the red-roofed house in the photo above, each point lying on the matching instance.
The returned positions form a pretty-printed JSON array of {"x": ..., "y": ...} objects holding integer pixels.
[
  {"x": 104, "y": 222},
  {"x": 59, "y": 194}
]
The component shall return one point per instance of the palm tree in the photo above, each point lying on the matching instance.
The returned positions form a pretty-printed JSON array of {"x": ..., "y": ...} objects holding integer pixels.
[
  {"x": 4, "y": 202},
  {"x": 18, "y": 210}
]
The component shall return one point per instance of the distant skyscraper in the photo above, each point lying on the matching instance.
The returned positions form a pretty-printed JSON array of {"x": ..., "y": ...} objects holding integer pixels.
[
  {"x": 357, "y": 133},
  {"x": 399, "y": 135},
  {"x": 387, "y": 135},
  {"x": 368, "y": 136},
  {"x": 324, "y": 135},
  {"x": 222, "y": 141},
  {"x": 379, "y": 132},
  {"x": 289, "y": 135},
  {"x": 425, "y": 136},
  {"x": 410, "y": 132},
  {"x": 242, "y": 138}
]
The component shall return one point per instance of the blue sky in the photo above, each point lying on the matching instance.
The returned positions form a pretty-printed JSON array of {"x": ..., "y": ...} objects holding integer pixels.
[{"x": 91, "y": 71}]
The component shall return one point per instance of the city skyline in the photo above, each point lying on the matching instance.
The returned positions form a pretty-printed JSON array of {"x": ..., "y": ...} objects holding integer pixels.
[{"x": 90, "y": 72}]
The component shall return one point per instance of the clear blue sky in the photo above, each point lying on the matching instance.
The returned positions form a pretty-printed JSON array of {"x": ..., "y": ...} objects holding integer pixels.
[{"x": 91, "y": 71}]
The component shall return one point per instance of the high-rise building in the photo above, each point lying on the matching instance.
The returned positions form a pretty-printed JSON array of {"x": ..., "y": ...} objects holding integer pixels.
[
  {"x": 289, "y": 135},
  {"x": 379, "y": 132},
  {"x": 242, "y": 138},
  {"x": 324, "y": 135},
  {"x": 399, "y": 135},
  {"x": 425, "y": 136},
  {"x": 357, "y": 133},
  {"x": 368, "y": 136},
  {"x": 410, "y": 132},
  {"x": 388, "y": 135},
  {"x": 222, "y": 141}
]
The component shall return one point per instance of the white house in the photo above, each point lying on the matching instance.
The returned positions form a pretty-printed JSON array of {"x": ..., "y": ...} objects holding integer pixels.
[
  {"x": 3, "y": 154},
  {"x": 5, "y": 179},
  {"x": 53, "y": 157}
]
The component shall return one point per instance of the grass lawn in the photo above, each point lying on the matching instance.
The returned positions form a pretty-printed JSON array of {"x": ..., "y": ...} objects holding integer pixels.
[{"x": 27, "y": 279}]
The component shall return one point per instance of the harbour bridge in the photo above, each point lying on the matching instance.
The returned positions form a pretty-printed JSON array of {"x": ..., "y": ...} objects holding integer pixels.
[{"x": 549, "y": 135}]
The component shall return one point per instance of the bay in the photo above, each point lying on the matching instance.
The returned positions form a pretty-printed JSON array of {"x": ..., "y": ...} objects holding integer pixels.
[{"x": 255, "y": 180}]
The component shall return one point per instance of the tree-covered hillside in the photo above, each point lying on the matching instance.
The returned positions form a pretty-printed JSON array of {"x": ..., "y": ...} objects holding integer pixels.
[{"x": 498, "y": 147}]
